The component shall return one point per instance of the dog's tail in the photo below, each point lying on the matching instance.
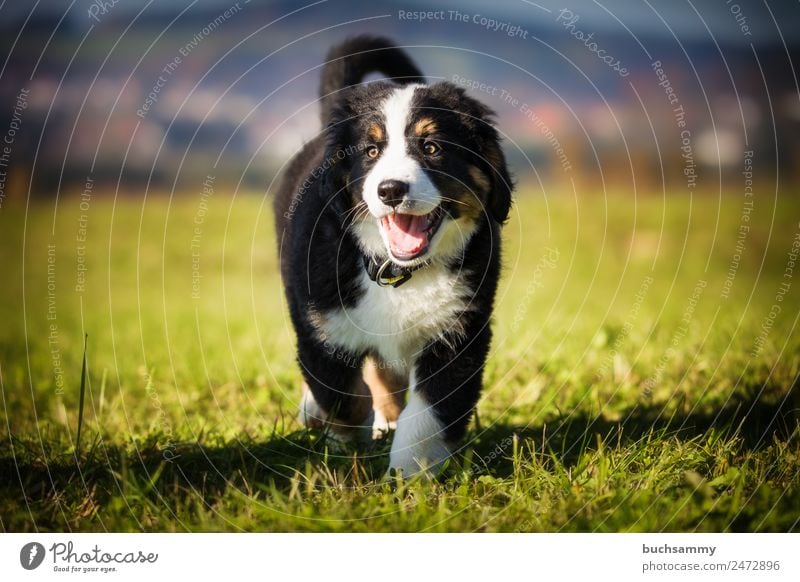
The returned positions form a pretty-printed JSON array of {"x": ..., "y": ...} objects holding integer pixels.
[{"x": 349, "y": 62}]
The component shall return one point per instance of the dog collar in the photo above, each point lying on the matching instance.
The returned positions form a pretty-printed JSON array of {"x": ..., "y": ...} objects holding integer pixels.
[{"x": 388, "y": 273}]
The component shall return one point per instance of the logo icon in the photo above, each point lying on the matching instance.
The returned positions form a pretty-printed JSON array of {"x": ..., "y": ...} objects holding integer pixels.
[{"x": 31, "y": 555}]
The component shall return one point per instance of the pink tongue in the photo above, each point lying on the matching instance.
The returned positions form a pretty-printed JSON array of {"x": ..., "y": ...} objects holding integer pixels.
[{"x": 406, "y": 234}]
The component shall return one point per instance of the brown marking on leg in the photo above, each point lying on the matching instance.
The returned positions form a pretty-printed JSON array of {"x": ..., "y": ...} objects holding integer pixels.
[
  {"x": 388, "y": 388},
  {"x": 359, "y": 409},
  {"x": 361, "y": 406}
]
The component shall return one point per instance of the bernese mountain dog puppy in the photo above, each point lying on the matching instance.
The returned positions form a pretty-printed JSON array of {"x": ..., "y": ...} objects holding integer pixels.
[{"x": 388, "y": 227}]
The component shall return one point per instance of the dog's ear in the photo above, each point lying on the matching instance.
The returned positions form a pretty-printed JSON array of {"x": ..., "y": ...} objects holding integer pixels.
[
  {"x": 499, "y": 199},
  {"x": 334, "y": 173},
  {"x": 498, "y": 202},
  {"x": 335, "y": 167},
  {"x": 488, "y": 155}
]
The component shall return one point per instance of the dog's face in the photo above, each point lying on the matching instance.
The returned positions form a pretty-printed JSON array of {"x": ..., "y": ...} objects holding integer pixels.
[{"x": 416, "y": 168}]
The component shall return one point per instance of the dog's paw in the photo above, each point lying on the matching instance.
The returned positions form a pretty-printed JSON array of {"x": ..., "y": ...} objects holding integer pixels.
[
  {"x": 311, "y": 414},
  {"x": 419, "y": 446},
  {"x": 340, "y": 437},
  {"x": 426, "y": 459},
  {"x": 381, "y": 426}
]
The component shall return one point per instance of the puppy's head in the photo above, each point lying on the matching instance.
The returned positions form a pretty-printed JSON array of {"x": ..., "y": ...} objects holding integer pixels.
[{"x": 419, "y": 168}]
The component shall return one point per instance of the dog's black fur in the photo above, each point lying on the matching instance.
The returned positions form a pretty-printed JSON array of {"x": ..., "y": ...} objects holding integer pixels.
[{"x": 322, "y": 262}]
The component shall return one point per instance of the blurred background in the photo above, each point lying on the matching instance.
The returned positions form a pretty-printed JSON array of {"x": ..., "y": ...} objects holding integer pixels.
[
  {"x": 648, "y": 294},
  {"x": 154, "y": 94}
]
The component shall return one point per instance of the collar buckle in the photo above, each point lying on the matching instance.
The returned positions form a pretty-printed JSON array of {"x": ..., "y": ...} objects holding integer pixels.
[
  {"x": 394, "y": 280},
  {"x": 387, "y": 273}
]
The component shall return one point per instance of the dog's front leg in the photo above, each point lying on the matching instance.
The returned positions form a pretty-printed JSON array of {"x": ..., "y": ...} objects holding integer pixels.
[
  {"x": 444, "y": 389},
  {"x": 334, "y": 395}
]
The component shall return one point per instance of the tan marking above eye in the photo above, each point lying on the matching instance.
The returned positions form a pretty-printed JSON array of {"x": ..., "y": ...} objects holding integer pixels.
[
  {"x": 375, "y": 132},
  {"x": 425, "y": 126}
]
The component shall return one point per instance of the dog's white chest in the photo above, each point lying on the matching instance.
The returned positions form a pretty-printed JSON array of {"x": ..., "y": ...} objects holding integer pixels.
[{"x": 398, "y": 322}]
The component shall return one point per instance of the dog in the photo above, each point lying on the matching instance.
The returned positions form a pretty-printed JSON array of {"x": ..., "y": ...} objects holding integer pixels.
[{"x": 388, "y": 227}]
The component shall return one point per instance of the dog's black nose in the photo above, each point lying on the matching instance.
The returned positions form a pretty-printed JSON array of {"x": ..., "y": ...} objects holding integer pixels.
[{"x": 391, "y": 192}]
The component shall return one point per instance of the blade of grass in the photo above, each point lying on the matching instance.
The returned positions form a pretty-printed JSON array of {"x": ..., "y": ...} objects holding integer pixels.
[
  {"x": 103, "y": 391},
  {"x": 82, "y": 394}
]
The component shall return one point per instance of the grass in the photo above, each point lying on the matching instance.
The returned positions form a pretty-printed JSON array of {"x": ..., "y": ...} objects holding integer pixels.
[{"x": 624, "y": 391}]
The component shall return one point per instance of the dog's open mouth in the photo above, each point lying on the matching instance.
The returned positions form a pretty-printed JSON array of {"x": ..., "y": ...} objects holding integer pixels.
[{"x": 409, "y": 235}]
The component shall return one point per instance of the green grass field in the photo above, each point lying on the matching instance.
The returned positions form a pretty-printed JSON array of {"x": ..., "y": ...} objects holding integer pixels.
[{"x": 634, "y": 383}]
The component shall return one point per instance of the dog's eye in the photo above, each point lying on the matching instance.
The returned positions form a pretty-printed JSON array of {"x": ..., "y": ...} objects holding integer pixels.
[
  {"x": 372, "y": 151},
  {"x": 431, "y": 148}
]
